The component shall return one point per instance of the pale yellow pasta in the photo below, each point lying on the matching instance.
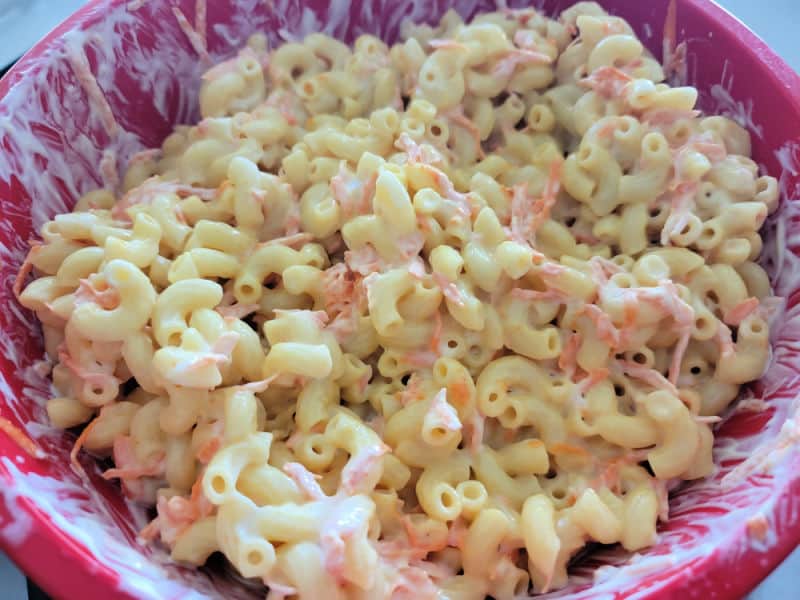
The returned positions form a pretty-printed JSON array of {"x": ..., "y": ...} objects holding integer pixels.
[
  {"x": 66, "y": 412},
  {"x": 424, "y": 319},
  {"x": 197, "y": 543},
  {"x": 136, "y": 302}
]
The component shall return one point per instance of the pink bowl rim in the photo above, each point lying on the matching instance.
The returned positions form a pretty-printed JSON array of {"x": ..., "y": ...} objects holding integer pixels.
[{"x": 96, "y": 581}]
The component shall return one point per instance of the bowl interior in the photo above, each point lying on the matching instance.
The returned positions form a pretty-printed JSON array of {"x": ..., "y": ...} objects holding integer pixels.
[{"x": 56, "y": 132}]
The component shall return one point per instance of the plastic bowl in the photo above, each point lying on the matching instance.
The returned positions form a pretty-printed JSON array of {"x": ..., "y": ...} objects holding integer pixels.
[{"x": 77, "y": 539}]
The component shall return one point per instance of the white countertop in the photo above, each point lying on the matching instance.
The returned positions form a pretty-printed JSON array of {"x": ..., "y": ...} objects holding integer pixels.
[{"x": 774, "y": 20}]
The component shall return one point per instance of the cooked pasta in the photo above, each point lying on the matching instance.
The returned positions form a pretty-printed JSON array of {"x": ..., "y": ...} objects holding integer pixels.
[{"x": 414, "y": 321}]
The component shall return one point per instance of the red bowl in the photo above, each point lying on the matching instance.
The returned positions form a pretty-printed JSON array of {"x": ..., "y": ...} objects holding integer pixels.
[{"x": 76, "y": 538}]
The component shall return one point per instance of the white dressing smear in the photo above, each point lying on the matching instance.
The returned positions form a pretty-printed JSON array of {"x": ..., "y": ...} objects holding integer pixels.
[{"x": 54, "y": 134}]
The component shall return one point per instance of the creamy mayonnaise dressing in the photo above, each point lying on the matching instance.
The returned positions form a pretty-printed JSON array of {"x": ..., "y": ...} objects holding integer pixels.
[{"x": 55, "y": 135}]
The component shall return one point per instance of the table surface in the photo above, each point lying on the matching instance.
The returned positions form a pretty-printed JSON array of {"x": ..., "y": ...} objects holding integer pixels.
[{"x": 774, "y": 20}]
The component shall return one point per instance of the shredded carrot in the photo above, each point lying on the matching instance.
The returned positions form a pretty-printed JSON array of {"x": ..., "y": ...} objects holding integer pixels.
[
  {"x": 536, "y": 295},
  {"x": 607, "y": 130},
  {"x": 237, "y": 311},
  {"x": 606, "y": 330},
  {"x": 256, "y": 386},
  {"x": 338, "y": 288},
  {"x": 294, "y": 439},
  {"x": 305, "y": 480},
  {"x": 609, "y": 82},
  {"x": 151, "y": 188},
  {"x": 714, "y": 151},
  {"x": 609, "y": 475},
  {"x": 210, "y": 447},
  {"x": 76, "y": 448},
  {"x": 105, "y": 297},
  {"x": 568, "y": 449},
  {"x": 458, "y": 200},
  {"x": 363, "y": 261},
  {"x": 425, "y": 156},
  {"x": 567, "y": 360},
  {"x": 458, "y": 393},
  {"x": 594, "y": 377},
  {"x": 602, "y": 269},
  {"x": 724, "y": 340},
  {"x": 151, "y": 531},
  {"x": 148, "y": 470},
  {"x": 420, "y": 359},
  {"x": 21, "y": 439},
  {"x": 418, "y": 153},
  {"x": 741, "y": 311},
  {"x": 544, "y": 205},
  {"x": 437, "y": 332},
  {"x": 664, "y": 117},
  {"x": 352, "y": 195},
  {"x": 630, "y": 314},
  {"x": 176, "y": 515},
  {"x": 457, "y": 534},
  {"x": 25, "y": 269},
  {"x": 709, "y": 420},
  {"x": 197, "y": 497},
  {"x": 412, "y": 392},
  {"x": 477, "y": 426},
  {"x": 284, "y": 103},
  {"x": 506, "y": 66},
  {"x": 449, "y": 289},
  {"x": 528, "y": 213},
  {"x": 292, "y": 223},
  {"x": 457, "y": 117},
  {"x": 648, "y": 375},
  {"x": 608, "y": 478},
  {"x": 361, "y": 466},
  {"x": 677, "y": 356}
]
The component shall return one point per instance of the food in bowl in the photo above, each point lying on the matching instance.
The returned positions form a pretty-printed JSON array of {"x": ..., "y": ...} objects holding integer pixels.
[{"x": 414, "y": 320}]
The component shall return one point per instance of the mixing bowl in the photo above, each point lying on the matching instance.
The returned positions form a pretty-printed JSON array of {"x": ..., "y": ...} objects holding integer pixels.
[{"x": 117, "y": 76}]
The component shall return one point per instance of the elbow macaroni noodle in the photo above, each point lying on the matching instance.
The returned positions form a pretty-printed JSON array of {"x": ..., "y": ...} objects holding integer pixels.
[{"x": 398, "y": 321}]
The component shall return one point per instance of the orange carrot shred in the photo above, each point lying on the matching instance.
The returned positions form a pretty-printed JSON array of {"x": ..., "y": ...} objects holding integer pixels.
[
  {"x": 21, "y": 438},
  {"x": 76, "y": 448},
  {"x": 207, "y": 451},
  {"x": 562, "y": 448},
  {"x": 741, "y": 311},
  {"x": 437, "y": 332},
  {"x": 25, "y": 270}
]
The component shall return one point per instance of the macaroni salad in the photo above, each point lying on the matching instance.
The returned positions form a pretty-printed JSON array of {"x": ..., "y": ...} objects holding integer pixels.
[{"x": 417, "y": 321}]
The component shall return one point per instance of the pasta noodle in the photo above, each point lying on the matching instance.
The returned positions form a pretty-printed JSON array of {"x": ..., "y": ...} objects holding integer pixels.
[{"x": 394, "y": 322}]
